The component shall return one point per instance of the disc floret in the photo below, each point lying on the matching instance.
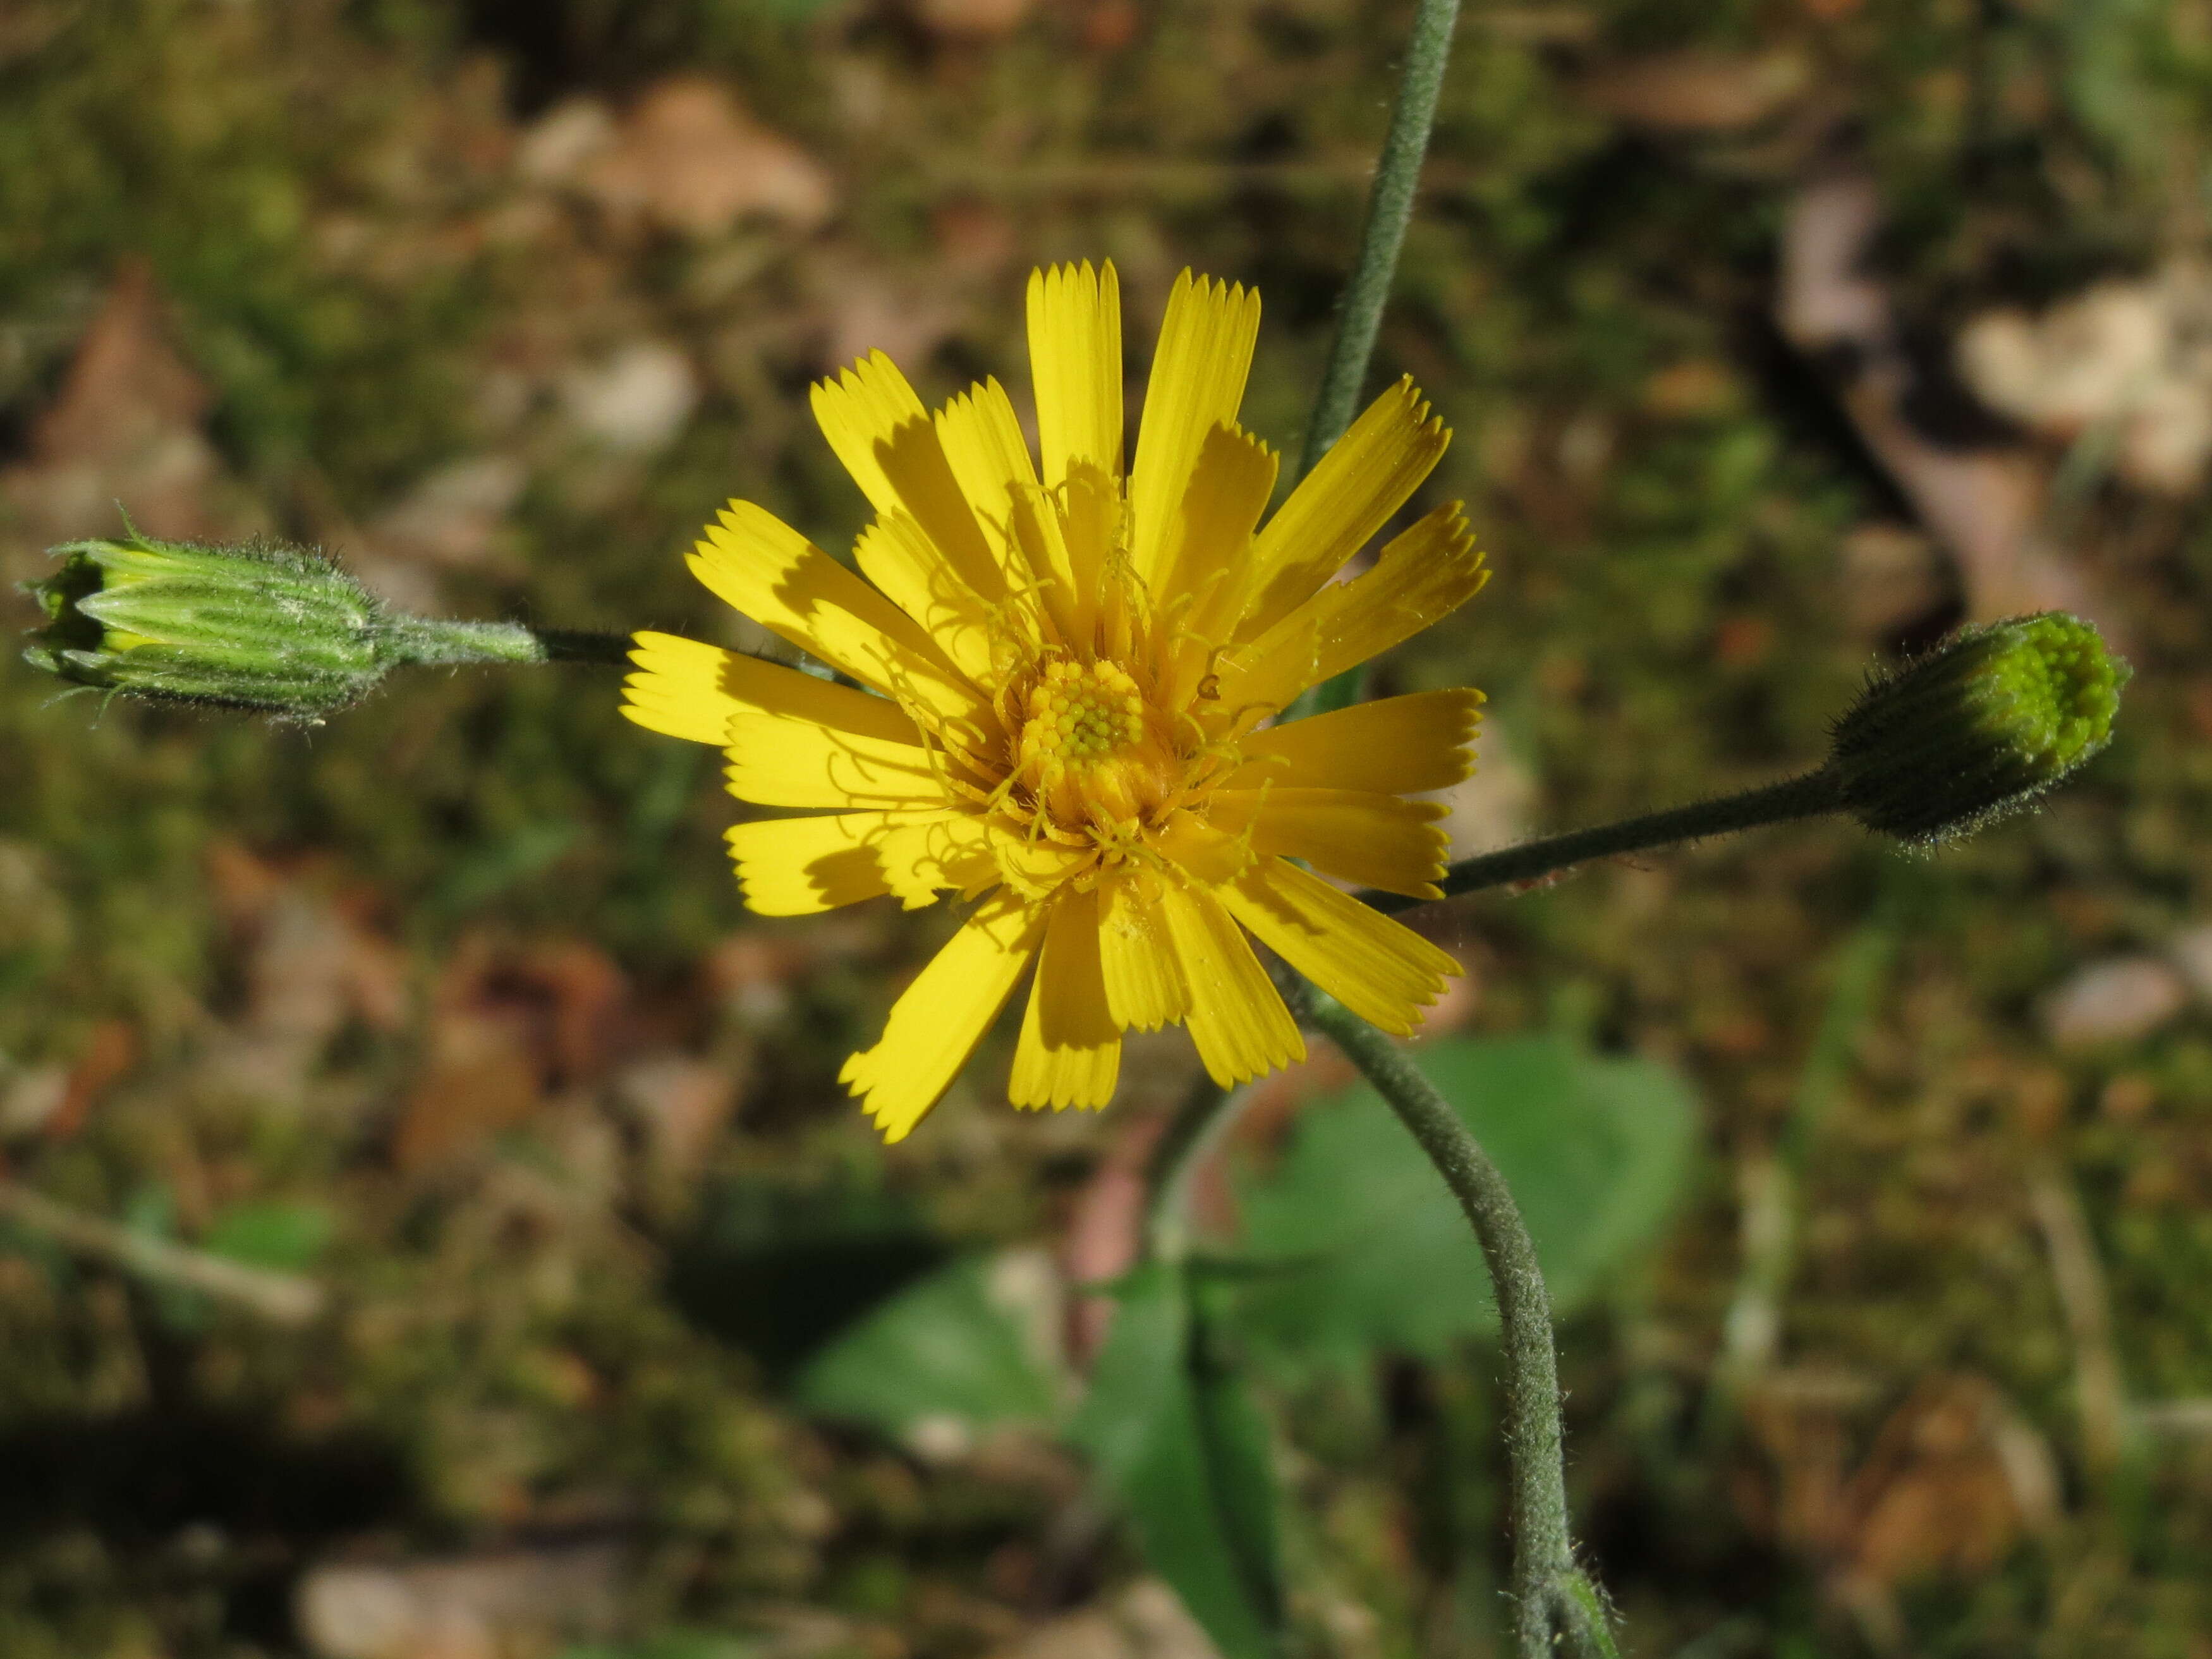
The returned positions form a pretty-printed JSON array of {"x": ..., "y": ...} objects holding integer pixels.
[{"x": 1086, "y": 755}]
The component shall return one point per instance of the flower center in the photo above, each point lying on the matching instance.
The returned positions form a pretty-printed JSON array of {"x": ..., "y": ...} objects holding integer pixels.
[
  {"x": 1080, "y": 713},
  {"x": 1086, "y": 750}
]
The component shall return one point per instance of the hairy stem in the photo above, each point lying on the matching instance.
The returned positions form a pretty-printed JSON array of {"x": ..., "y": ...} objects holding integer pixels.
[
  {"x": 433, "y": 640},
  {"x": 1551, "y": 1597},
  {"x": 1202, "y": 1115},
  {"x": 574, "y": 645},
  {"x": 1810, "y": 794},
  {"x": 1359, "y": 312}
]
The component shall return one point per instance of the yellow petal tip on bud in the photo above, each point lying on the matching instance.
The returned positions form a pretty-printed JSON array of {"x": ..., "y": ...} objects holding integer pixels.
[{"x": 263, "y": 626}]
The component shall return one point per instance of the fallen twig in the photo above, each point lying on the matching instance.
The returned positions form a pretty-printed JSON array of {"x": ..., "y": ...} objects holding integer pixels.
[
  {"x": 285, "y": 1298},
  {"x": 2101, "y": 1395}
]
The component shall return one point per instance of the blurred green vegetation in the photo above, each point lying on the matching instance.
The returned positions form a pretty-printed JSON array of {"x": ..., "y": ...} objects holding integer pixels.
[{"x": 452, "y": 1004}]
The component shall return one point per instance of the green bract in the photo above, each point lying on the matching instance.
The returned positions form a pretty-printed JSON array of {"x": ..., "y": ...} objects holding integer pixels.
[
  {"x": 262, "y": 626},
  {"x": 259, "y": 627},
  {"x": 1978, "y": 727}
]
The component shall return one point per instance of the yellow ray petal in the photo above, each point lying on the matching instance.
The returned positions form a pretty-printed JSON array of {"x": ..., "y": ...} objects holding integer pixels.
[
  {"x": 990, "y": 460},
  {"x": 1339, "y": 506},
  {"x": 1237, "y": 1017},
  {"x": 1091, "y": 514},
  {"x": 1070, "y": 1050},
  {"x": 796, "y": 866},
  {"x": 1197, "y": 382},
  {"x": 888, "y": 442},
  {"x": 924, "y": 856},
  {"x": 1201, "y": 589},
  {"x": 1209, "y": 852},
  {"x": 1075, "y": 368},
  {"x": 1144, "y": 988},
  {"x": 936, "y": 1024},
  {"x": 1377, "y": 841},
  {"x": 1383, "y": 971},
  {"x": 1039, "y": 535},
  {"x": 688, "y": 690},
  {"x": 861, "y": 409},
  {"x": 767, "y": 570},
  {"x": 1422, "y": 575},
  {"x": 984, "y": 446},
  {"x": 779, "y": 761},
  {"x": 895, "y": 555},
  {"x": 1036, "y": 868},
  {"x": 1393, "y": 746}
]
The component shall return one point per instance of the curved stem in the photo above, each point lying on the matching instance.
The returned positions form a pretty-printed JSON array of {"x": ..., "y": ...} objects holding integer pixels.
[
  {"x": 1359, "y": 312},
  {"x": 1552, "y": 1596},
  {"x": 1390, "y": 210},
  {"x": 1810, "y": 794},
  {"x": 1202, "y": 1115}
]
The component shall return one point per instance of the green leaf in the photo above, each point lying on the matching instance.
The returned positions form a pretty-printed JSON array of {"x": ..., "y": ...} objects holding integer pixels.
[
  {"x": 1377, "y": 1252},
  {"x": 1176, "y": 1437},
  {"x": 970, "y": 1347},
  {"x": 283, "y": 1237}
]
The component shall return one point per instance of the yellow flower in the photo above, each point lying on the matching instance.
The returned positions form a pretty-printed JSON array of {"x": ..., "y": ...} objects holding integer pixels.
[{"x": 1070, "y": 671}]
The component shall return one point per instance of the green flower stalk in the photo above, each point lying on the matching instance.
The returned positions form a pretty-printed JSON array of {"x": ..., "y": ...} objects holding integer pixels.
[
  {"x": 1977, "y": 728},
  {"x": 265, "y": 627}
]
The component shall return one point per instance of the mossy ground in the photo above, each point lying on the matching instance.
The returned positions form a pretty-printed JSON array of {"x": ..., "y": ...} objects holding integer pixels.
[{"x": 461, "y": 979}]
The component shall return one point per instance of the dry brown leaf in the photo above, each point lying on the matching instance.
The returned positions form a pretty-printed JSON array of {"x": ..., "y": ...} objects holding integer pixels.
[
  {"x": 1693, "y": 387},
  {"x": 481, "y": 1078},
  {"x": 127, "y": 386},
  {"x": 971, "y": 20},
  {"x": 510, "y": 1026},
  {"x": 1956, "y": 1477},
  {"x": 124, "y": 427},
  {"x": 635, "y": 401},
  {"x": 687, "y": 158},
  {"x": 905, "y": 317},
  {"x": 975, "y": 239},
  {"x": 2114, "y": 1000},
  {"x": 561, "y": 143},
  {"x": 1690, "y": 92},
  {"x": 585, "y": 993},
  {"x": 1111, "y": 25},
  {"x": 1145, "y": 1621},
  {"x": 1103, "y": 1232},
  {"x": 2133, "y": 359},
  {"x": 313, "y": 956},
  {"x": 109, "y": 1056},
  {"x": 750, "y": 973},
  {"x": 684, "y": 1102},
  {"x": 1895, "y": 580},
  {"x": 1984, "y": 503},
  {"x": 483, "y": 1606},
  {"x": 452, "y": 518}
]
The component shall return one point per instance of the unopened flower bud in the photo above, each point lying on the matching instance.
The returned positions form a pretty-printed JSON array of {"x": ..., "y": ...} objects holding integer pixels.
[
  {"x": 1978, "y": 727},
  {"x": 263, "y": 627}
]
